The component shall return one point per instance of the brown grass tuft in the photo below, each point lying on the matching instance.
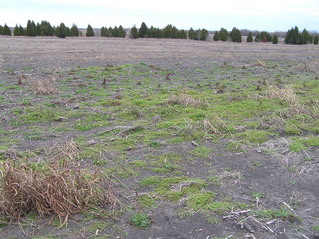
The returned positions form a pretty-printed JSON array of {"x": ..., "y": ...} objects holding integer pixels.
[
  {"x": 183, "y": 99},
  {"x": 44, "y": 85},
  {"x": 286, "y": 94},
  {"x": 61, "y": 190}
]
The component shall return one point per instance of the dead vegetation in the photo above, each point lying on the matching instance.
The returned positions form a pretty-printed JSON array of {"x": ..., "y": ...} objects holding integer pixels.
[
  {"x": 184, "y": 99},
  {"x": 44, "y": 85},
  {"x": 286, "y": 94},
  {"x": 62, "y": 188}
]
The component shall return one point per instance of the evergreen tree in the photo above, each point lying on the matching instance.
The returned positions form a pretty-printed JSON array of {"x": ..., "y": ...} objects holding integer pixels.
[
  {"x": 1, "y": 30},
  {"x": 223, "y": 34},
  {"x": 174, "y": 33},
  {"x": 74, "y": 32},
  {"x": 159, "y": 33},
  {"x": 235, "y": 35},
  {"x": 38, "y": 30},
  {"x": 89, "y": 31},
  {"x": 250, "y": 37},
  {"x": 16, "y": 31},
  {"x": 21, "y": 31},
  {"x": 6, "y": 30},
  {"x": 61, "y": 31},
  {"x": 110, "y": 32},
  {"x": 122, "y": 32},
  {"x": 263, "y": 37},
  {"x": 191, "y": 34},
  {"x": 203, "y": 35},
  {"x": 115, "y": 32},
  {"x": 182, "y": 34},
  {"x": 307, "y": 38},
  {"x": 142, "y": 32},
  {"x": 294, "y": 37},
  {"x": 167, "y": 31},
  {"x": 31, "y": 30},
  {"x": 216, "y": 36},
  {"x": 315, "y": 40},
  {"x": 275, "y": 39},
  {"x": 134, "y": 33},
  {"x": 45, "y": 29}
]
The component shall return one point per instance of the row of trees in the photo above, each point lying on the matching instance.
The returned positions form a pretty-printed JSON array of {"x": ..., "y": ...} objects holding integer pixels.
[
  {"x": 113, "y": 32},
  {"x": 293, "y": 36},
  {"x": 169, "y": 31}
]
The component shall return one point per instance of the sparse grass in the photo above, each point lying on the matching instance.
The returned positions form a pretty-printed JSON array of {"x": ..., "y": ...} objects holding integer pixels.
[{"x": 141, "y": 220}]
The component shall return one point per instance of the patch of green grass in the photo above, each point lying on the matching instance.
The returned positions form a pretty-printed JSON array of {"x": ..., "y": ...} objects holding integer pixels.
[
  {"x": 315, "y": 228},
  {"x": 147, "y": 201},
  {"x": 300, "y": 144},
  {"x": 98, "y": 225},
  {"x": 200, "y": 200},
  {"x": 140, "y": 220},
  {"x": 201, "y": 152},
  {"x": 254, "y": 136},
  {"x": 276, "y": 214}
]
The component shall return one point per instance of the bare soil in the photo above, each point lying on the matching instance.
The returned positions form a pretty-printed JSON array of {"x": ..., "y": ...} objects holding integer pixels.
[{"x": 284, "y": 177}]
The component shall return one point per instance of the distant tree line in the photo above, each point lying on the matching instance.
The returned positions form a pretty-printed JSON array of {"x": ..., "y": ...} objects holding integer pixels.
[
  {"x": 293, "y": 36},
  {"x": 113, "y": 32}
]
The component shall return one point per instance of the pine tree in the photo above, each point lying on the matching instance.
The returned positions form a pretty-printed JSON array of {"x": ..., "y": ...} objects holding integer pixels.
[
  {"x": 134, "y": 33},
  {"x": 235, "y": 35},
  {"x": 307, "y": 38},
  {"x": 16, "y": 31},
  {"x": 191, "y": 34},
  {"x": 122, "y": 32},
  {"x": 250, "y": 37},
  {"x": 89, "y": 31},
  {"x": 22, "y": 31},
  {"x": 115, "y": 32},
  {"x": 275, "y": 39},
  {"x": 61, "y": 31},
  {"x": 6, "y": 30},
  {"x": 74, "y": 32},
  {"x": 203, "y": 35},
  {"x": 182, "y": 34},
  {"x": 1, "y": 30},
  {"x": 223, "y": 34},
  {"x": 315, "y": 40},
  {"x": 31, "y": 30},
  {"x": 45, "y": 29},
  {"x": 142, "y": 32},
  {"x": 216, "y": 36}
]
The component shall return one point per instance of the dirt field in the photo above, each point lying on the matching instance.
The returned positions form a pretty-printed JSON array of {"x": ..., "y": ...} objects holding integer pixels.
[{"x": 235, "y": 154}]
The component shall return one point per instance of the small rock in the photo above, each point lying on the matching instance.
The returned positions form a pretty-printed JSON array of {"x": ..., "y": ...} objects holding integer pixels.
[
  {"x": 316, "y": 236},
  {"x": 76, "y": 106},
  {"x": 112, "y": 139}
]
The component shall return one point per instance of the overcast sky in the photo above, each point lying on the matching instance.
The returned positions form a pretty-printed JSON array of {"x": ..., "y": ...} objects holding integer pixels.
[{"x": 269, "y": 15}]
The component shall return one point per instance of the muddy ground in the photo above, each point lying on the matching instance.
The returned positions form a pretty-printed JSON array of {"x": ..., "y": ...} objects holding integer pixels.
[{"x": 264, "y": 176}]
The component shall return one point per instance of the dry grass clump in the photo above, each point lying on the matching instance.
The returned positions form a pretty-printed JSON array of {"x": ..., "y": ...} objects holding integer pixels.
[
  {"x": 216, "y": 126},
  {"x": 286, "y": 94},
  {"x": 184, "y": 99},
  {"x": 308, "y": 66},
  {"x": 44, "y": 85},
  {"x": 60, "y": 190}
]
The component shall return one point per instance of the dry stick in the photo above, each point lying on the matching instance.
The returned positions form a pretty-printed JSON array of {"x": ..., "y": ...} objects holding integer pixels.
[{"x": 288, "y": 206}]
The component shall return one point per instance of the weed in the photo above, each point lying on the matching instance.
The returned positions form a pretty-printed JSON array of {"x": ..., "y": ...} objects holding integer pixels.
[
  {"x": 277, "y": 214},
  {"x": 201, "y": 152},
  {"x": 286, "y": 94},
  {"x": 140, "y": 220}
]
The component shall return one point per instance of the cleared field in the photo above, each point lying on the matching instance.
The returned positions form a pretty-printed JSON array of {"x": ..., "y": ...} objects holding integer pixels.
[{"x": 192, "y": 139}]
